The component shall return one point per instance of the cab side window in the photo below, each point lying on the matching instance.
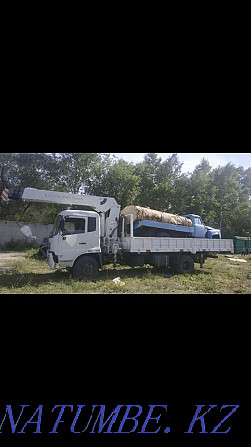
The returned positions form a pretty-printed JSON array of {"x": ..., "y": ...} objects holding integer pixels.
[{"x": 74, "y": 226}]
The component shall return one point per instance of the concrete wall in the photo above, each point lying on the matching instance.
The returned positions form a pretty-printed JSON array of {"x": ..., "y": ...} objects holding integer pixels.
[{"x": 10, "y": 231}]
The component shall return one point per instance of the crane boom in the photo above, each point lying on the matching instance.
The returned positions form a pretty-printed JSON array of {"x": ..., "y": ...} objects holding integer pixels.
[{"x": 107, "y": 206}]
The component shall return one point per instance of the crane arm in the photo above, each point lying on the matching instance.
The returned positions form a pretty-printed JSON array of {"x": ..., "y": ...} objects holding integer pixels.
[{"x": 106, "y": 205}]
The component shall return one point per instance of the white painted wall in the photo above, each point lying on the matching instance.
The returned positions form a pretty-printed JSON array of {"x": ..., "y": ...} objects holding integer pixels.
[{"x": 10, "y": 231}]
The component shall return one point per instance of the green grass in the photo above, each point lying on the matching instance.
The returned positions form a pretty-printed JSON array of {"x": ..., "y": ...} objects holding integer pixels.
[{"x": 218, "y": 276}]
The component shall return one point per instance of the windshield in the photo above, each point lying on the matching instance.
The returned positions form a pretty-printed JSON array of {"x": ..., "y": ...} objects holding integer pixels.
[{"x": 55, "y": 227}]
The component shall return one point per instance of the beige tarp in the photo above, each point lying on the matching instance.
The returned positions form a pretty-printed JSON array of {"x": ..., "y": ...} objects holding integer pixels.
[{"x": 140, "y": 213}]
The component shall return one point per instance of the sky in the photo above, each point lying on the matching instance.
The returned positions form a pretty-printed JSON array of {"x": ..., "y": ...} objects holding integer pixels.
[{"x": 190, "y": 160}]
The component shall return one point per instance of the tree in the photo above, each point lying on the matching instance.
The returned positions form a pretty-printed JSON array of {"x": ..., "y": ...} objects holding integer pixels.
[
  {"x": 181, "y": 195},
  {"x": 157, "y": 181},
  {"x": 119, "y": 181},
  {"x": 229, "y": 196},
  {"x": 222, "y": 196},
  {"x": 147, "y": 172},
  {"x": 76, "y": 171},
  {"x": 26, "y": 170},
  {"x": 169, "y": 175},
  {"x": 203, "y": 192}
]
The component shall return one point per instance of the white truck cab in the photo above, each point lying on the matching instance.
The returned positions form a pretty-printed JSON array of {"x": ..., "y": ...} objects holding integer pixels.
[{"x": 75, "y": 233}]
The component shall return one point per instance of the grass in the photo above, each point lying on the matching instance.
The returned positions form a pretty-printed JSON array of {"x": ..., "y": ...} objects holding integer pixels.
[{"x": 218, "y": 276}]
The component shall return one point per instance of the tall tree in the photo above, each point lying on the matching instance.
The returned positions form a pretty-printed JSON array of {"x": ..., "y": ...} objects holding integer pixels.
[
  {"x": 34, "y": 170},
  {"x": 181, "y": 195},
  {"x": 168, "y": 177},
  {"x": 203, "y": 192},
  {"x": 157, "y": 181},
  {"x": 229, "y": 196},
  {"x": 147, "y": 171},
  {"x": 76, "y": 170},
  {"x": 119, "y": 181}
]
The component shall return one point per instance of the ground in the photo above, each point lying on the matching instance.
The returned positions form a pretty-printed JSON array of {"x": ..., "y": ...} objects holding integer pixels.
[
  {"x": 7, "y": 258},
  {"x": 27, "y": 273}
]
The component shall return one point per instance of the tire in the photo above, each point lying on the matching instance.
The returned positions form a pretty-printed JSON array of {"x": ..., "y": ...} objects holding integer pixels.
[
  {"x": 85, "y": 268},
  {"x": 186, "y": 264}
]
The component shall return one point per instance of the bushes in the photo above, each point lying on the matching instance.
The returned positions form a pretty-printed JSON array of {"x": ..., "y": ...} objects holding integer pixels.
[{"x": 17, "y": 246}]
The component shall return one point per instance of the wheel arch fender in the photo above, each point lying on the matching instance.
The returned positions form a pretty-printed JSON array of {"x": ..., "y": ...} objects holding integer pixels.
[{"x": 96, "y": 256}]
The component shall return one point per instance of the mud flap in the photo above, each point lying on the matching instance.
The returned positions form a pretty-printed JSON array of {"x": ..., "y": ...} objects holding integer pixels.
[{"x": 50, "y": 261}]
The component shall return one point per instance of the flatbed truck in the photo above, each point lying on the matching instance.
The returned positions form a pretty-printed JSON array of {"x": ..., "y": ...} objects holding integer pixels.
[{"x": 84, "y": 241}]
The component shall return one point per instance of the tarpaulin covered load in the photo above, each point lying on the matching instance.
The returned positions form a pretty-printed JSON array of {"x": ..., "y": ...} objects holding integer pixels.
[{"x": 140, "y": 213}]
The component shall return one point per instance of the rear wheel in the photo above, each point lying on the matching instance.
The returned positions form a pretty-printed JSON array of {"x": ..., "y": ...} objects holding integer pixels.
[
  {"x": 85, "y": 268},
  {"x": 186, "y": 264}
]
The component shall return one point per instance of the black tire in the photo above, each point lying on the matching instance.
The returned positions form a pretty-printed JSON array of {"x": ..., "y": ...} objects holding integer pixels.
[
  {"x": 186, "y": 264},
  {"x": 85, "y": 268}
]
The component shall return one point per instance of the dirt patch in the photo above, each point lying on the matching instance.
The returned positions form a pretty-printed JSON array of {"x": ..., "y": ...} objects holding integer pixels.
[{"x": 7, "y": 258}]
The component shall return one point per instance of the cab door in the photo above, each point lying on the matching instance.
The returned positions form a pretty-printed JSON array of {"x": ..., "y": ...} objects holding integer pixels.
[
  {"x": 199, "y": 227},
  {"x": 78, "y": 235}
]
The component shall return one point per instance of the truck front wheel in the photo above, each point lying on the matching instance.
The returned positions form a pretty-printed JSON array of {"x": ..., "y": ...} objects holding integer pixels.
[
  {"x": 186, "y": 264},
  {"x": 85, "y": 268}
]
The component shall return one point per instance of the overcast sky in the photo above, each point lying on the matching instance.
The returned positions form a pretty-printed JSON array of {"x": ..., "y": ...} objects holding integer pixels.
[{"x": 190, "y": 160}]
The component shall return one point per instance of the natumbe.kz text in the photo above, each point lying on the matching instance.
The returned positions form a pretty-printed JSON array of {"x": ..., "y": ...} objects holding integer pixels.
[{"x": 122, "y": 419}]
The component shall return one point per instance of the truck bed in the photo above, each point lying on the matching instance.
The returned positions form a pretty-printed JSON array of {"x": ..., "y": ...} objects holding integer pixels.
[{"x": 172, "y": 245}]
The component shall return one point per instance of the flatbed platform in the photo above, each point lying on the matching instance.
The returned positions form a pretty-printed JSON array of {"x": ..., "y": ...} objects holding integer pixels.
[{"x": 174, "y": 245}]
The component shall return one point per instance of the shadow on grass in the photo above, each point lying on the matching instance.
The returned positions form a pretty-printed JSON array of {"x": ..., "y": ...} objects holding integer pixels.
[
  {"x": 201, "y": 272},
  {"x": 18, "y": 280}
]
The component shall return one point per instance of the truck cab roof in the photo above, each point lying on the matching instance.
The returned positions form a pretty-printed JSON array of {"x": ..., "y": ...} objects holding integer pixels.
[
  {"x": 193, "y": 215},
  {"x": 78, "y": 213}
]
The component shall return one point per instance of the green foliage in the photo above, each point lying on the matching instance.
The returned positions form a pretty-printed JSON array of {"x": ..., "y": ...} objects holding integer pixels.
[
  {"x": 221, "y": 196},
  {"x": 202, "y": 192},
  {"x": 119, "y": 181},
  {"x": 232, "y": 203},
  {"x": 76, "y": 171},
  {"x": 181, "y": 195},
  {"x": 157, "y": 181}
]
